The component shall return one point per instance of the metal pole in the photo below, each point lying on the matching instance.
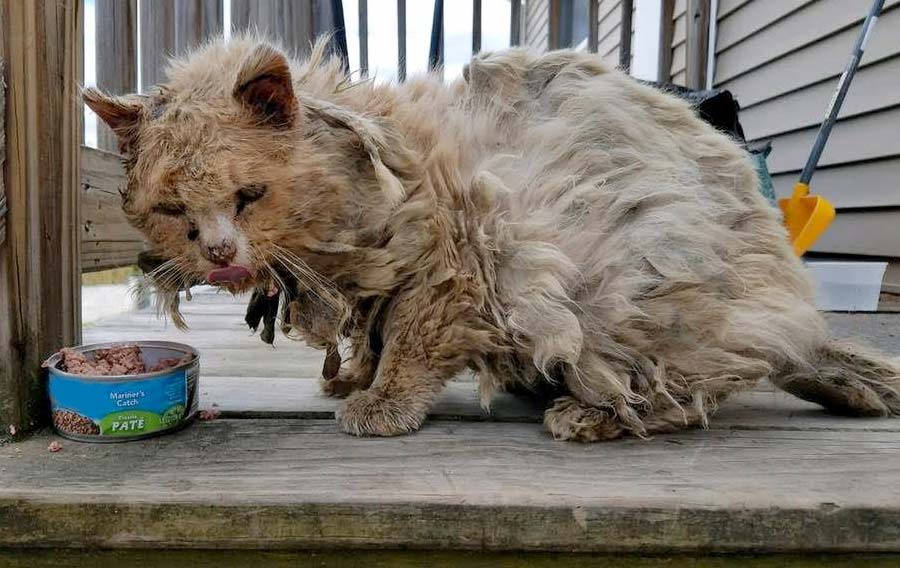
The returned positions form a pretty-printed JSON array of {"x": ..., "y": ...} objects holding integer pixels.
[
  {"x": 401, "y": 40},
  {"x": 843, "y": 86}
]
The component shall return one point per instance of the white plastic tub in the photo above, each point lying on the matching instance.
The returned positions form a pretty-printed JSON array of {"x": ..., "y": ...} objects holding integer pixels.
[{"x": 847, "y": 286}]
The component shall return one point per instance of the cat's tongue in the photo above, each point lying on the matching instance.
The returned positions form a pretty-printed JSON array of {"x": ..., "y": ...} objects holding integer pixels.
[{"x": 233, "y": 273}]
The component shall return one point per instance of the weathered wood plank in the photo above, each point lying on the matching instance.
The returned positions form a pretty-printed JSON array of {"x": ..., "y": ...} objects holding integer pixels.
[
  {"x": 299, "y": 484},
  {"x": 476, "y": 26},
  {"x": 157, "y": 40},
  {"x": 228, "y": 349},
  {"x": 401, "y": 40},
  {"x": 625, "y": 33},
  {"x": 697, "y": 43},
  {"x": 40, "y": 268},
  {"x": 553, "y": 18},
  {"x": 593, "y": 25},
  {"x": 289, "y": 22},
  {"x": 108, "y": 241},
  {"x": 301, "y": 399},
  {"x": 666, "y": 31},
  {"x": 363, "y": 38},
  {"x": 263, "y": 397},
  {"x": 195, "y": 21},
  {"x": 116, "y": 41},
  {"x": 8, "y": 364},
  {"x": 43, "y": 558},
  {"x": 2, "y": 150},
  {"x": 515, "y": 23}
]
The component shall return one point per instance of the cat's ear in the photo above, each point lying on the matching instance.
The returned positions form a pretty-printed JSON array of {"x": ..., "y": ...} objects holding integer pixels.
[
  {"x": 121, "y": 114},
  {"x": 391, "y": 160},
  {"x": 264, "y": 88}
]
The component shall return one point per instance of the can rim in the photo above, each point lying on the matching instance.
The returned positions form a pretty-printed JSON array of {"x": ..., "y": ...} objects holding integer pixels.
[{"x": 51, "y": 362}]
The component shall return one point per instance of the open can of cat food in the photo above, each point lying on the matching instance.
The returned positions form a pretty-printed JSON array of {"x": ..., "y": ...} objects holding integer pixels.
[{"x": 157, "y": 395}]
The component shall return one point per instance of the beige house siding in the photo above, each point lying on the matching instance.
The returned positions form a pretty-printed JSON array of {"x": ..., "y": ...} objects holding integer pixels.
[
  {"x": 679, "y": 42},
  {"x": 537, "y": 24},
  {"x": 782, "y": 60},
  {"x": 609, "y": 27}
]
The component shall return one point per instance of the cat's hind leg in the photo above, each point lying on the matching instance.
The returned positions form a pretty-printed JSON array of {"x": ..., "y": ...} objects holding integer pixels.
[{"x": 569, "y": 418}]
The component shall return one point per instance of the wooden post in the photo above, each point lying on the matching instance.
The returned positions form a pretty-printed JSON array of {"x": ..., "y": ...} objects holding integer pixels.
[
  {"x": 553, "y": 21},
  {"x": 697, "y": 43},
  {"x": 593, "y": 25},
  {"x": 287, "y": 21},
  {"x": 476, "y": 26},
  {"x": 666, "y": 31},
  {"x": 2, "y": 155},
  {"x": 401, "y": 40},
  {"x": 625, "y": 35},
  {"x": 157, "y": 40},
  {"x": 196, "y": 20},
  {"x": 39, "y": 263},
  {"x": 363, "y": 38},
  {"x": 436, "y": 47},
  {"x": 515, "y": 23},
  {"x": 116, "y": 29}
]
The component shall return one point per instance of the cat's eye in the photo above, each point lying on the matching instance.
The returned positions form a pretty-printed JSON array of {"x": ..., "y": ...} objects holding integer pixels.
[
  {"x": 247, "y": 195},
  {"x": 173, "y": 210}
]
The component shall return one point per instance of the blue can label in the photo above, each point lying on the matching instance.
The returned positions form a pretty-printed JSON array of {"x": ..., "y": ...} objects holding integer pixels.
[{"x": 129, "y": 408}]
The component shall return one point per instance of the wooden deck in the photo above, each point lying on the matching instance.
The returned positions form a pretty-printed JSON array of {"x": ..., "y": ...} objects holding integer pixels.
[{"x": 274, "y": 472}]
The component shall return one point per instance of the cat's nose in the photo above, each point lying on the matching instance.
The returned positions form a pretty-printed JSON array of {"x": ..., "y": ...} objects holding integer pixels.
[{"x": 222, "y": 253}]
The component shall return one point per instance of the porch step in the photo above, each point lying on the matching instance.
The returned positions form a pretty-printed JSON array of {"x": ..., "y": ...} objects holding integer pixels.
[{"x": 772, "y": 474}]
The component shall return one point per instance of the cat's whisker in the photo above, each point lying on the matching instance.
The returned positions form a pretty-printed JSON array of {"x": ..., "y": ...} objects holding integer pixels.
[
  {"x": 308, "y": 279},
  {"x": 273, "y": 274},
  {"x": 169, "y": 279},
  {"x": 322, "y": 289},
  {"x": 302, "y": 265}
]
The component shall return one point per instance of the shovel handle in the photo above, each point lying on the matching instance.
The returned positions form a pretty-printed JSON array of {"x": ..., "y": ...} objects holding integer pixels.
[{"x": 843, "y": 86}]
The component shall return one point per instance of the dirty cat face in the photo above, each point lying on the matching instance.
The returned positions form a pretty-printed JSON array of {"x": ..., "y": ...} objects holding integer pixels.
[
  {"x": 219, "y": 179},
  {"x": 231, "y": 177}
]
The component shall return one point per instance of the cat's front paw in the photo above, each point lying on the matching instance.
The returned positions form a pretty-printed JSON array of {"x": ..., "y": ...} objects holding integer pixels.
[
  {"x": 367, "y": 413},
  {"x": 341, "y": 386}
]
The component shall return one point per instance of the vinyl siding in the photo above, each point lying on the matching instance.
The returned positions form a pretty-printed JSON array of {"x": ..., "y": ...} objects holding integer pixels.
[
  {"x": 679, "y": 42},
  {"x": 782, "y": 60},
  {"x": 609, "y": 13},
  {"x": 610, "y": 30},
  {"x": 537, "y": 24}
]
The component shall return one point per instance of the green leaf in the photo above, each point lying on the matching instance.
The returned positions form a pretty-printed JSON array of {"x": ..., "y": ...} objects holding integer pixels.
[{"x": 172, "y": 416}]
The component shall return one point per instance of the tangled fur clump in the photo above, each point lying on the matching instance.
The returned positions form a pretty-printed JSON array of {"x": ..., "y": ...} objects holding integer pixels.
[{"x": 546, "y": 221}]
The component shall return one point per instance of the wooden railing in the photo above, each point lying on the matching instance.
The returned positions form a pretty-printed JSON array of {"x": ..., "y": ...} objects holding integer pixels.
[
  {"x": 170, "y": 27},
  {"x": 167, "y": 27}
]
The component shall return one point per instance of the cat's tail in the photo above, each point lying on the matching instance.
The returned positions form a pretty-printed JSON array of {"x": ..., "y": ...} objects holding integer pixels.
[{"x": 846, "y": 379}]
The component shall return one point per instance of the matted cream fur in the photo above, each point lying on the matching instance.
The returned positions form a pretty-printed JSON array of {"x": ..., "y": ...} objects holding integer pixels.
[{"x": 546, "y": 221}]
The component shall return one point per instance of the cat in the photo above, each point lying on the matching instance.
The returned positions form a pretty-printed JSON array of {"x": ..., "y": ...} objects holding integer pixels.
[{"x": 545, "y": 220}]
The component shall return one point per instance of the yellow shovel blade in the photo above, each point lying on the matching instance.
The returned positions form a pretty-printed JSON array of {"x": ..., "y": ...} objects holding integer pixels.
[{"x": 806, "y": 217}]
